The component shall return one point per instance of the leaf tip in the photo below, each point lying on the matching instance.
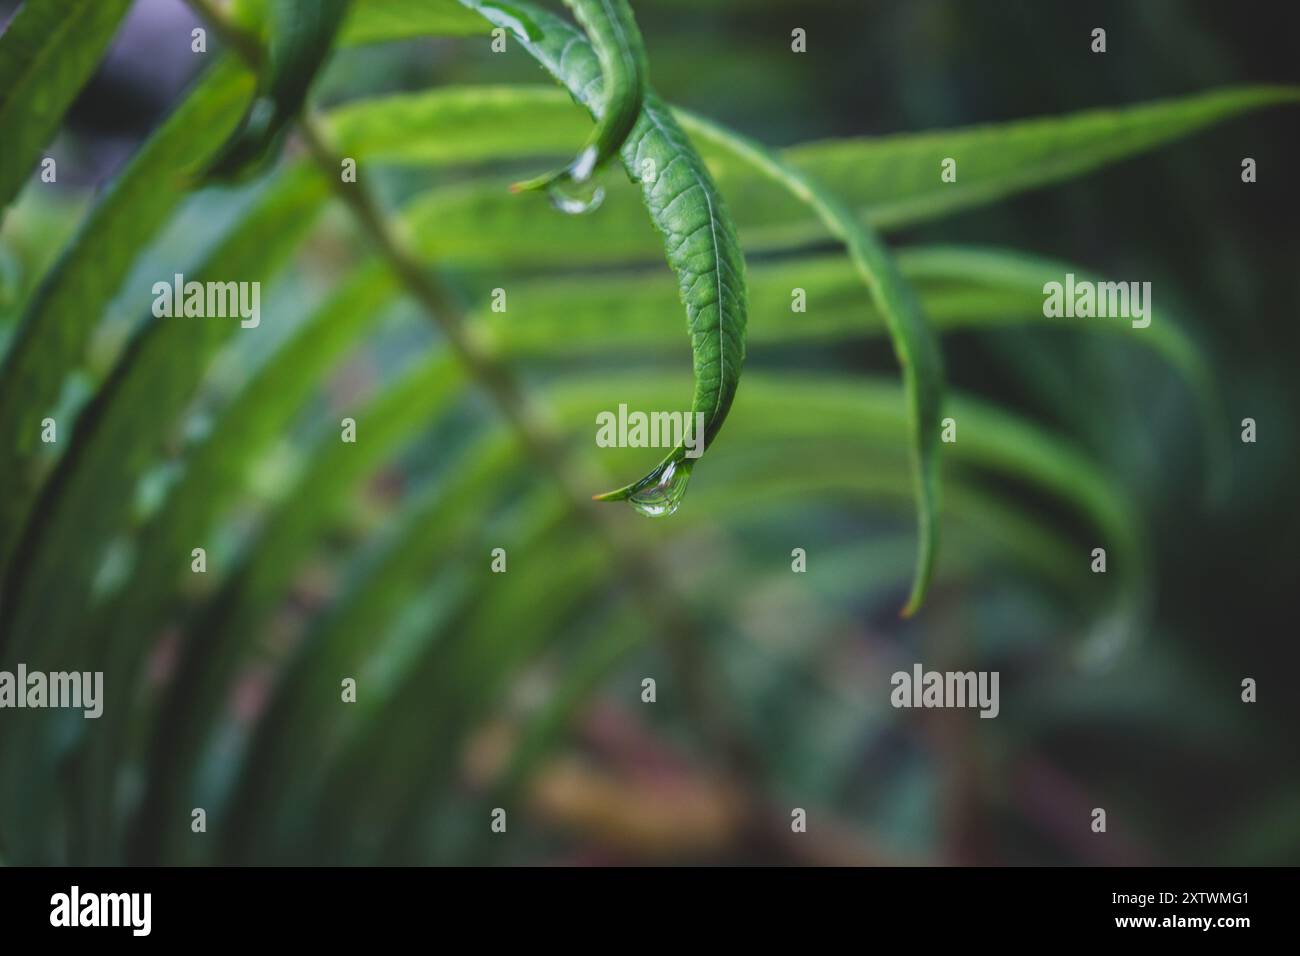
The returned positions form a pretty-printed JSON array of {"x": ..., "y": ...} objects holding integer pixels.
[{"x": 920, "y": 588}]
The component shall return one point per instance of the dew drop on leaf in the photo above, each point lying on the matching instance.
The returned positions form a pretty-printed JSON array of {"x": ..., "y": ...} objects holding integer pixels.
[
  {"x": 574, "y": 198},
  {"x": 659, "y": 494}
]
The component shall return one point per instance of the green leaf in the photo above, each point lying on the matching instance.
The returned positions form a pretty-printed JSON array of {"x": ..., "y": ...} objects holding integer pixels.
[
  {"x": 379, "y": 21},
  {"x": 56, "y": 330},
  {"x": 471, "y": 225},
  {"x": 613, "y": 33},
  {"x": 891, "y": 181},
  {"x": 914, "y": 341},
  {"x": 47, "y": 53},
  {"x": 699, "y": 238},
  {"x": 301, "y": 33},
  {"x": 961, "y": 287},
  {"x": 894, "y": 180},
  {"x": 457, "y": 124}
]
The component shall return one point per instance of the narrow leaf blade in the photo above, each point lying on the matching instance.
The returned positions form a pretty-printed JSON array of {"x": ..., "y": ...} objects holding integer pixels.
[
  {"x": 47, "y": 53},
  {"x": 699, "y": 237}
]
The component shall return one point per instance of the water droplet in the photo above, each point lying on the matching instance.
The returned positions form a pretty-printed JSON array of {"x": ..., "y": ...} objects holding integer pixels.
[
  {"x": 575, "y": 198},
  {"x": 659, "y": 493}
]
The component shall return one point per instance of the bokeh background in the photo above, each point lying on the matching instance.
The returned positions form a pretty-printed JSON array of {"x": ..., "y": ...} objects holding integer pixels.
[{"x": 523, "y": 691}]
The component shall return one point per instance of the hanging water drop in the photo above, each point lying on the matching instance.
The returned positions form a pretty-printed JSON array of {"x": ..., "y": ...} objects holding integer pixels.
[
  {"x": 575, "y": 198},
  {"x": 659, "y": 493},
  {"x": 571, "y": 190}
]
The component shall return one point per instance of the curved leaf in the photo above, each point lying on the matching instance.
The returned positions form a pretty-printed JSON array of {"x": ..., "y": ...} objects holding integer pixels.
[
  {"x": 614, "y": 35},
  {"x": 914, "y": 341},
  {"x": 301, "y": 33},
  {"x": 699, "y": 238}
]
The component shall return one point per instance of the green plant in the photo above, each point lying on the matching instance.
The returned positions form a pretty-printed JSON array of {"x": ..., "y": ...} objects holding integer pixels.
[{"x": 97, "y": 528}]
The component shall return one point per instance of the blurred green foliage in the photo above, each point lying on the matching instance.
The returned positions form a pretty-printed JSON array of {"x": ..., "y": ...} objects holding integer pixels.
[{"x": 523, "y": 690}]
